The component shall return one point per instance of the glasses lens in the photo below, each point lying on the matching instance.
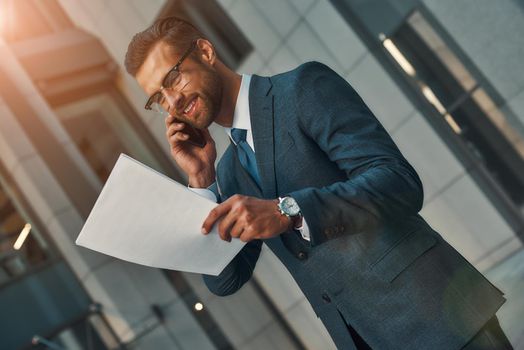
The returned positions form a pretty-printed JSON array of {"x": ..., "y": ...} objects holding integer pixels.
[{"x": 172, "y": 79}]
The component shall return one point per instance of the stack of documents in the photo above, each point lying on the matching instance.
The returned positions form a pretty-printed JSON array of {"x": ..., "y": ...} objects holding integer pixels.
[{"x": 147, "y": 218}]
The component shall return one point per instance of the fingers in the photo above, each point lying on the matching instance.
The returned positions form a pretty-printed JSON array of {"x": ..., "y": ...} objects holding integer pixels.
[
  {"x": 247, "y": 218},
  {"x": 246, "y": 236},
  {"x": 237, "y": 229},
  {"x": 234, "y": 220},
  {"x": 174, "y": 134},
  {"x": 226, "y": 224},
  {"x": 216, "y": 213},
  {"x": 173, "y": 128},
  {"x": 178, "y": 137},
  {"x": 168, "y": 120}
]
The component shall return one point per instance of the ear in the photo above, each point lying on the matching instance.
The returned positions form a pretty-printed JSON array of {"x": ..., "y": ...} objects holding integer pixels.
[{"x": 207, "y": 51}]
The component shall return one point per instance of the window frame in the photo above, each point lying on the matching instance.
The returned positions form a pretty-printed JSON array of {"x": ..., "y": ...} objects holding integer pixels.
[
  {"x": 478, "y": 172},
  {"x": 231, "y": 44}
]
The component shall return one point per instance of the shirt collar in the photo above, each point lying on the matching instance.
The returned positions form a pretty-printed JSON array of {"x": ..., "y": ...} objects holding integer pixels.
[{"x": 241, "y": 116}]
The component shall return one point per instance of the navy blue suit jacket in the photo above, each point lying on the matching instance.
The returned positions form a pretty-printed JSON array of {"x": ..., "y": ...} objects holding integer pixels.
[{"x": 372, "y": 262}]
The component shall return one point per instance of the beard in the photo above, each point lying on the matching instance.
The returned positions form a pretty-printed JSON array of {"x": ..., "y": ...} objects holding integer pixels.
[{"x": 210, "y": 98}]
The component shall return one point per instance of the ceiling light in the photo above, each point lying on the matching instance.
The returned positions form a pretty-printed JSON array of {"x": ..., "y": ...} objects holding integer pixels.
[
  {"x": 23, "y": 235},
  {"x": 398, "y": 56},
  {"x": 199, "y": 306}
]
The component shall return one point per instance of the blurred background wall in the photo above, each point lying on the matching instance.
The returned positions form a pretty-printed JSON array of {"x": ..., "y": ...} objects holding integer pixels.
[{"x": 446, "y": 79}]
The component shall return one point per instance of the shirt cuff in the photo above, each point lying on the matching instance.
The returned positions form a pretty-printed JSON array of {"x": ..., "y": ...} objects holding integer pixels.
[
  {"x": 304, "y": 230},
  {"x": 204, "y": 192}
]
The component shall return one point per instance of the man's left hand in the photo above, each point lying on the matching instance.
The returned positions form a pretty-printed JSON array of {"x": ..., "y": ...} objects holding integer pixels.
[{"x": 247, "y": 218}]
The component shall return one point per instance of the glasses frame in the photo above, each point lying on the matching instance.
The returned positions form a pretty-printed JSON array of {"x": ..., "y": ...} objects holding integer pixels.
[{"x": 175, "y": 68}]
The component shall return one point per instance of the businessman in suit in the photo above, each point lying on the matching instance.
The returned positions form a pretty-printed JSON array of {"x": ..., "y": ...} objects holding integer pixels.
[{"x": 313, "y": 174}]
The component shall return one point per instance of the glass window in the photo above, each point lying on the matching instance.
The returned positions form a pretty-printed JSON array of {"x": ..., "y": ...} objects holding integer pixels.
[
  {"x": 462, "y": 101},
  {"x": 231, "y": 44},
  {"x": 38, "y": 18},
  {"x": 22, "y": 248},
  {"x": 457, "y": 100},
  {"x": 200, "y": 312},
  {"x": 101, "y": 129},
  {"x": 87, "y": 333}
]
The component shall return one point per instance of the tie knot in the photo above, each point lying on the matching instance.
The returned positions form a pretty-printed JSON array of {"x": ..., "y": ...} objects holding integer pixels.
[{"x": 238, "y": 135}]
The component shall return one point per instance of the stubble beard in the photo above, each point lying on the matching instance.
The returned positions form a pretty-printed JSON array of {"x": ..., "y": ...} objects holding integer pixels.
[{"x": 211, "y": 98}]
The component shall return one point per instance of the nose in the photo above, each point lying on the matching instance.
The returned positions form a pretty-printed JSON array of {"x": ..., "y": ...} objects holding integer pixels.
[{"x": 173, "y": 101}]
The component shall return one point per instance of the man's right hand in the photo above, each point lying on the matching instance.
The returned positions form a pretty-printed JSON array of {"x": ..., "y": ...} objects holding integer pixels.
[{"x": 198, "y": 163}]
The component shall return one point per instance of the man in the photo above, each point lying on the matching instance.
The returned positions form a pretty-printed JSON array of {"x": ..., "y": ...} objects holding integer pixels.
[{"x": 312, "y": 173}]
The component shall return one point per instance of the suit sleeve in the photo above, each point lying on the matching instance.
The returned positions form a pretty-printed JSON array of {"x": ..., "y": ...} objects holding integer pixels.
[
  {"x": 239, "y": 270},
  {"x": 381, "y": 185}
]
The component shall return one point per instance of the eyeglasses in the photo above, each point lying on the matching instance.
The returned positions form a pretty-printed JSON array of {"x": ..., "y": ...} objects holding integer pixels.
[{"x": 171, "y": 79}]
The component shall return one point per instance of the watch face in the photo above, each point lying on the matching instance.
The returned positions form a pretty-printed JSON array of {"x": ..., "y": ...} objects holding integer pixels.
[{"x": 290, "y": 206}]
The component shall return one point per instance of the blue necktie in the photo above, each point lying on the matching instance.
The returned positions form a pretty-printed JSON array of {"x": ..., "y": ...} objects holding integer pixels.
[{"x": 245, "y": 153}]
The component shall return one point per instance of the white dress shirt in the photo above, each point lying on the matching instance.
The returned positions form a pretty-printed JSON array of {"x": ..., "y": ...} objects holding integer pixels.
[{"x": 242, "y": 120}]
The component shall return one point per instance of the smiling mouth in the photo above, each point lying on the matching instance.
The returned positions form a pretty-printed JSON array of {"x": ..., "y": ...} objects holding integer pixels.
[{"x": 190, "y": 108}]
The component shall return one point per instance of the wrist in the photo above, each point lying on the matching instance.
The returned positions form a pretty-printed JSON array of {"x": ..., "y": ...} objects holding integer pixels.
[{"x": 203, "y": 179}]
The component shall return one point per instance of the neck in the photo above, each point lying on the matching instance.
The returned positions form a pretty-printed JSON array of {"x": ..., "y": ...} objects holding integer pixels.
[{"x": 230, "y": 92}]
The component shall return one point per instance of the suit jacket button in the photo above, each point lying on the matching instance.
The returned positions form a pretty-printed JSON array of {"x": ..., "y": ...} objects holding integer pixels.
[
  {"x": 302, "y": 255},
  {"x": 326, "y": 298}
]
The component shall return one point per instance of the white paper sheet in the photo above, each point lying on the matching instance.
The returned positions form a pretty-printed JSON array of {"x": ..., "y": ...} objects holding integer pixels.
[{"x": 145, "y": 217}]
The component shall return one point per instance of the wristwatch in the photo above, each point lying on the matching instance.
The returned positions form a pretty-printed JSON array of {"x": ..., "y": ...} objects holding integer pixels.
[{"x": 288, "y": 206}]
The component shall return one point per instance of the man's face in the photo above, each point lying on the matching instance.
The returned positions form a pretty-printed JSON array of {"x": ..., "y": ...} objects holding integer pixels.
[{"x": 196, "y": 98}]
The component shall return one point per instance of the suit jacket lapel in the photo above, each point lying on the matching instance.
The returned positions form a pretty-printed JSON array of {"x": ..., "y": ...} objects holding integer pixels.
[{"x": 261, "y": 112}]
